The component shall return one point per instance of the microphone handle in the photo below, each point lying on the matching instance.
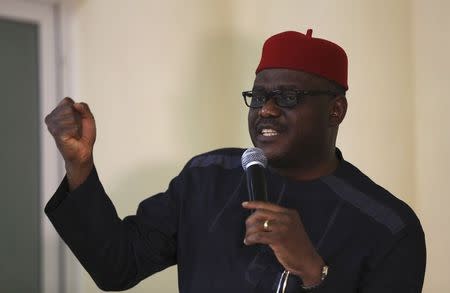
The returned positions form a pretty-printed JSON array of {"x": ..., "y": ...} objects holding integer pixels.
[{"x": 256, "y": 183}]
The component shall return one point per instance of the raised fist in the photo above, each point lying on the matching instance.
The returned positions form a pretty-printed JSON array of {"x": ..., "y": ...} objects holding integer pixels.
[{"x": 73, "y": 128}]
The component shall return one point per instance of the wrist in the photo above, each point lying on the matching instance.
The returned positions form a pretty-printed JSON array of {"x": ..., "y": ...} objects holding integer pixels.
[
  {"x": 78, "y": 172},
  {"x": 311, "y": 288},
  {"x": 282, "y": 284},
  {"x": 311, "y": 275}
]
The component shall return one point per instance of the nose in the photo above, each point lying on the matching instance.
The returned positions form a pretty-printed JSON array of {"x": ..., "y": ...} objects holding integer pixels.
[{"x": 270, "y": 109}]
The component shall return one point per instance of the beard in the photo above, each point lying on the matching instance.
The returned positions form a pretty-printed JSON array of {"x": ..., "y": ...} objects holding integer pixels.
[{"x": 302, "y": 154}]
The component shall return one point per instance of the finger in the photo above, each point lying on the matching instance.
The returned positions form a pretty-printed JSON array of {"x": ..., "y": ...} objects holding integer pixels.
[
  {"x": 66, "y": 100},
  {"x": 263, "y": 205},
  {"x": 272, "y": 226},
  {"x": 61, "y": 111},
  {"x": 61, "y": 116},
  {"x": 67, "y": 132},
  {"x": 262, "y": 215},
  {"x": 261, "y": 238},
  {"x": 57, "y": 125}
]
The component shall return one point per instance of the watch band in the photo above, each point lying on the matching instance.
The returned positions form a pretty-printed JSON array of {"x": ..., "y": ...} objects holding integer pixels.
[
  {"x": 323, "y": 276},
  {"x": 282, "y": 283}
]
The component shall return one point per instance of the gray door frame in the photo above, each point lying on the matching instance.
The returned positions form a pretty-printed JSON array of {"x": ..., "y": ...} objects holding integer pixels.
[{"x": 59, "y": 272}]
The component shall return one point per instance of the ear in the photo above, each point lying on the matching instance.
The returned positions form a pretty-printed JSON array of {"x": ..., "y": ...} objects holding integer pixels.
[{"x": 337, "y": 110}]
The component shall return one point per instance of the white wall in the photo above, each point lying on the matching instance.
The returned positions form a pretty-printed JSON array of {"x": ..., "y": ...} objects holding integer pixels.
[
  {"x": 163, "y": 79},
  {"x": 431, "y": 49}
]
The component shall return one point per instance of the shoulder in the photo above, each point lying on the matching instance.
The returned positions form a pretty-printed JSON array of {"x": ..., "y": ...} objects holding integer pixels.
[
  {"x": 226, "y": 158},
  {"x": 371, "y": 200},
  {"x": 211, "y": 165}
]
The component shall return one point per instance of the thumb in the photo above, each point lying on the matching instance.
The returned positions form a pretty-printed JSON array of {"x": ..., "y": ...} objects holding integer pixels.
[
  {"x": 88, "y": 131},
  {"x": 84, "y": 110}
]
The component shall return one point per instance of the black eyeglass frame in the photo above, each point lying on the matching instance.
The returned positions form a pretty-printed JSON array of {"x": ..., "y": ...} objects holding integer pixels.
[{"x": 299, "y": 94}]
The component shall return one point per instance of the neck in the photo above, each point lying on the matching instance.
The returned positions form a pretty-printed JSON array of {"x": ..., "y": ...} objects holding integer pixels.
[{"x": 321, "y": 166}]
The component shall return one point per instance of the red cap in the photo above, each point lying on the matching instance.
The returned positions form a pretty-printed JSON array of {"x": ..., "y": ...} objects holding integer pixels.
[{"x": 294, "y": 50}]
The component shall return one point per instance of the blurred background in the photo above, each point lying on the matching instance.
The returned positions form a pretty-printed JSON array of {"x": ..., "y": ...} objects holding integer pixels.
[{"x": 163, "y": 80}]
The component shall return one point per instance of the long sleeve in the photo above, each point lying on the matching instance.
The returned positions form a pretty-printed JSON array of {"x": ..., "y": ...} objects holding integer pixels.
[
  {"x": 399, "y": 267},
  {"x": 117, "y": 253},
  {"x": 371, "y": 241}
]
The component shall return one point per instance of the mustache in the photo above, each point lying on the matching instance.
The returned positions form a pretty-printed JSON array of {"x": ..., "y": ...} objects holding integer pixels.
[{"x": 269, "y": 123}]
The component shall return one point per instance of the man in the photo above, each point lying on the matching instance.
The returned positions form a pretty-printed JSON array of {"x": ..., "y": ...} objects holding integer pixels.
[{"x": 326, "y": 228}]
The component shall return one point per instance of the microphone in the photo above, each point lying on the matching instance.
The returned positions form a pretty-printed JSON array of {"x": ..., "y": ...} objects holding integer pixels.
[{"x": 253, "y": 161}]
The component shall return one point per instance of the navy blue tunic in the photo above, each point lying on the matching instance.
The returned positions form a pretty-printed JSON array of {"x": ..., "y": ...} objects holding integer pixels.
[{"x": 372, "y": 241}]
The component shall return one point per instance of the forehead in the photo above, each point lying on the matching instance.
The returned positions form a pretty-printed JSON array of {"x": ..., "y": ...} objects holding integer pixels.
[{"x": 278, "y": 77}]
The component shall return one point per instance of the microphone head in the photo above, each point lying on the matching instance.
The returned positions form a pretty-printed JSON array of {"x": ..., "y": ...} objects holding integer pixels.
[{"x": 253, "y": 156}]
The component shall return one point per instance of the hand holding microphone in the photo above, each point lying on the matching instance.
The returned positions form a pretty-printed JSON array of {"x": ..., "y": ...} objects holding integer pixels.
[{"x": 279, "y": 227}]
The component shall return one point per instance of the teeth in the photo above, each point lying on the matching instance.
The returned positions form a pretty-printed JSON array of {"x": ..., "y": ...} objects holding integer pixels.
[{"x": 269, "y": 132}]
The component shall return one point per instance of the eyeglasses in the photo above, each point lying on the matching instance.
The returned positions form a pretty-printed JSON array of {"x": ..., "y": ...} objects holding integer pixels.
[{"x": 282, "y": 98}]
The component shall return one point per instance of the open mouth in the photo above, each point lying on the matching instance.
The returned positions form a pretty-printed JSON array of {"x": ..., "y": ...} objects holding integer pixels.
[{"x": 268, "y": 132}]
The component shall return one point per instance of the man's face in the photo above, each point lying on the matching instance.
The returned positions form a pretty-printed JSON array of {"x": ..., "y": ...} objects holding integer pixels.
[{"x": 290, "y": 136}]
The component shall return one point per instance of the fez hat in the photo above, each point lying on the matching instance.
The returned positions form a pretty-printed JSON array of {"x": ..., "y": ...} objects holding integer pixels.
[{"x": 294, "y": 50}]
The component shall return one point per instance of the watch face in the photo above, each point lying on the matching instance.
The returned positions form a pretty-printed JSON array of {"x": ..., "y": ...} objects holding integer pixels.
[{"x": 324, "y": 272}]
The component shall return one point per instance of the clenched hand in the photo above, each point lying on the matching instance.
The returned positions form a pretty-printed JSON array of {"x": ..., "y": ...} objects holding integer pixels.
[{"x": 72, "y": 125}]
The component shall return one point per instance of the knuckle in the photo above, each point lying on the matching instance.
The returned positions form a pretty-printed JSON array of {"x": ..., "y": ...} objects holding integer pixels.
[
  {"x": 85, "y": 106},
  {"x": 67, "y": 109},
  {"x": 68, "y": 100}
]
